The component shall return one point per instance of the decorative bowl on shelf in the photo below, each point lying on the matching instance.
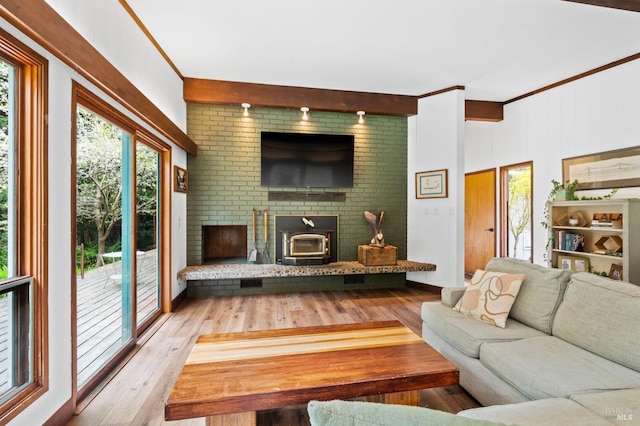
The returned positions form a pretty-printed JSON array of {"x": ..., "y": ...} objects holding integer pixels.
[{"x": 576, "y": 218}]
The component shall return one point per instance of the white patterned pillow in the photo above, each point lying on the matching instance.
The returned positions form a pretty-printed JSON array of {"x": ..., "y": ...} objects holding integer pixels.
[{"x": 490, "y": 296}]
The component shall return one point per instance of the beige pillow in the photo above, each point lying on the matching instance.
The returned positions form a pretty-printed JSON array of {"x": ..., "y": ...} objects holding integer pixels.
[{"x": 490, "y": 296}]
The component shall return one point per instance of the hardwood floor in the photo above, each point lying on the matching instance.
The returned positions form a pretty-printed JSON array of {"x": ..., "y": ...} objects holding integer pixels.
[{"x": 136, "y": 395}]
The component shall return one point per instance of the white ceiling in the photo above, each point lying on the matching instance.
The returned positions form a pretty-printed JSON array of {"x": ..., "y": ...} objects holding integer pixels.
[{"x": 497, "y": 49}]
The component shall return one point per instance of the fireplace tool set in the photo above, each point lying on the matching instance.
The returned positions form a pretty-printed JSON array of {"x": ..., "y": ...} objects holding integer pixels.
[
  {"x": 266, "y": 258},
  {"x": 253, "y": 253},
  {"x": 252, "y": 257}
]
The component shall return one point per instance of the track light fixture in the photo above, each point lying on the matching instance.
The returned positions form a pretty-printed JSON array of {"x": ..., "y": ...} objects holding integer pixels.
[
  {"x": 361, "y": 116},
  {"x": 246, "y": 107},
  {"x": 305, "y": 110}
]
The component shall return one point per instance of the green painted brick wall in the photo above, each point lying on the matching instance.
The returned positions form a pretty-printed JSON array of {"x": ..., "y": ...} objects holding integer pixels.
[
  {"x": 202, "y": 289},
  {"x": 224, "y": 179}
]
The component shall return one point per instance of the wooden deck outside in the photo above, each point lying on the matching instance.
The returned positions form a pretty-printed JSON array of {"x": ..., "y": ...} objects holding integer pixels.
[
  {"x": 99, "y": 315},
  {"x": 100, "y": 311}
]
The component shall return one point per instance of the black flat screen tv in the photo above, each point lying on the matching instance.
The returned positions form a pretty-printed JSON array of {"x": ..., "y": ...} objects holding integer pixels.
[{"x": 306, "y": 160}]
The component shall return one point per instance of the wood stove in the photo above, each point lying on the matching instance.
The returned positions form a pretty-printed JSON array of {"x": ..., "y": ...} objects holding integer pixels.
[
  {"x": 306, "y": 240},
  {"x": 305, "y": 248}
]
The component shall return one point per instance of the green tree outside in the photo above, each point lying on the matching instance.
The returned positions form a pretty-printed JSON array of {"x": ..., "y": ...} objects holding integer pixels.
[
  {"x": 4, "y": 167},
  {"x": 519, "y": 214},
  {"x": 99, "y": 190}
]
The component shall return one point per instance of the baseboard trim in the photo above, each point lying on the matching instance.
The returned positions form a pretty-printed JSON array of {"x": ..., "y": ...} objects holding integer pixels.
[
  {"x": 62, "y": 416},
  {"x": 179, "y": 299},
  {"x": 426, "y": 287}
]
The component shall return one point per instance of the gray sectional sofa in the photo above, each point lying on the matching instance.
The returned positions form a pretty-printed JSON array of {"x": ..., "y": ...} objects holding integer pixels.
[
  {"x": 571, "y": 341},
  {"x": 568, "y": 355}
]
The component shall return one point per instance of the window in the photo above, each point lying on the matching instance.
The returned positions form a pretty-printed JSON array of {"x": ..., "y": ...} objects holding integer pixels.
[{"x": 23, "y": 236}]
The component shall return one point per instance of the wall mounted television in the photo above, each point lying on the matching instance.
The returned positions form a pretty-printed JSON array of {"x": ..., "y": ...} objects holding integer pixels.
[{"x": 306, "y": 160}]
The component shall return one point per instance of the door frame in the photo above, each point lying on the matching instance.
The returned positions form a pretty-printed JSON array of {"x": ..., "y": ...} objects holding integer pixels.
[
  {"x": 504, "y": 209},
  {"x": 86, "y": 98},
  {"x": 493, "y": 170}
]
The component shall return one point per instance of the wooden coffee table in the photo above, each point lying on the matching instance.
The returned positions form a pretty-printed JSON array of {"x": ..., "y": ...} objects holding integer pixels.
[{"x": 228, "y": 377}]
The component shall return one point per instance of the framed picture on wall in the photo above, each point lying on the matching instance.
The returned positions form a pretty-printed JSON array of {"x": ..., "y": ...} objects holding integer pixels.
[
  {"x": 611, "y": 169},
  {"x": 432, "y": 184},
  {"x": 180, "y": 179}
]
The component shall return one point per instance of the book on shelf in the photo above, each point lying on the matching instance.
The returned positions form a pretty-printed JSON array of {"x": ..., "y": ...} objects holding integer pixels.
[
  {"x": 606, "y": 220},
  {"x": 570, "y": 241},
  {"x": 560, "y": 240}
]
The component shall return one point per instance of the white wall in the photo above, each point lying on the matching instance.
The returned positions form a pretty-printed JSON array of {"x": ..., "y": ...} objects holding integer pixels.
[
  {"x": 435, "y": 227},
  {"x": 178, "y": 229},
  {"x": 110, "y": 29},
  {"x": 594, "y": 114},
  {"x": 60, "y": 243}
]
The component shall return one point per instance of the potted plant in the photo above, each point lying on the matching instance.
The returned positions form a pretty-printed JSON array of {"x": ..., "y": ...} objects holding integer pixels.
[{"x": 563, "y": 191}]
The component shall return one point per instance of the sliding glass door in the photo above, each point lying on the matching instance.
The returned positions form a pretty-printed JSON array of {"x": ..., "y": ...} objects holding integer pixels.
[
  {"x": 103, "y": 216},
  {"x": 147, "y": 232},
  {"x": 118, "y": 176}
]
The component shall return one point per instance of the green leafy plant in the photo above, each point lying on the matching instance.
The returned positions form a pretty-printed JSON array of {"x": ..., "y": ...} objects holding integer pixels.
[
  {"x": 604, "y": 197},
  {"x": 568, "y": 190}
]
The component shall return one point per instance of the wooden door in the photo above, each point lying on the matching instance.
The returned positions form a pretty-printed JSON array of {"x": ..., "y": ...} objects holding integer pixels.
[{"x": 479, "y": 219}]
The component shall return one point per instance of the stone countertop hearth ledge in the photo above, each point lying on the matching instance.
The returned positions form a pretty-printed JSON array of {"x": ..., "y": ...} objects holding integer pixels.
[{"x": 234, "y": 271}]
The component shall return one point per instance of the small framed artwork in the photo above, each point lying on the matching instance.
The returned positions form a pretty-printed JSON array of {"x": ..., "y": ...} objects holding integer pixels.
[
  {"x": 432, "y": 184},
  {"x": 573, "y": 263},
  {"x": 180, "y": 179},
  {"x": 615, "y": 273}
]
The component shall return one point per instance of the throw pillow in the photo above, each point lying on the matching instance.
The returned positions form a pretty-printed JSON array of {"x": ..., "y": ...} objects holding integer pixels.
[{"x": 490, "y": 296}]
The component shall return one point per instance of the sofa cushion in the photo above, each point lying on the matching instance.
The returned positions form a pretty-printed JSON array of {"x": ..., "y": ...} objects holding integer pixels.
[
  {"x": 490, "y": 296},
  {"x": 357, "y": 413},
  {"x": 622, "y": 405},
  {"x": 475, "y": 378},
  {"x": 450, "y": 295},
  {"x": 547, "y": 412},
  {"x": 467, "y": 334},
  {"x": 548, "y": 367},
  {"x": 540, "y": 293},
  {"x": 602, "y": 316}
]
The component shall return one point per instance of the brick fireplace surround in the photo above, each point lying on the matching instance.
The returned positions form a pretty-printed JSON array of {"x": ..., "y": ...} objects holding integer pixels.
[{"x": 224, "y": 187}]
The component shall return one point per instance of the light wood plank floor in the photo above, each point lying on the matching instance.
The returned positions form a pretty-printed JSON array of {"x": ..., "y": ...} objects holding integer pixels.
[{"x": 136, "y": 395}]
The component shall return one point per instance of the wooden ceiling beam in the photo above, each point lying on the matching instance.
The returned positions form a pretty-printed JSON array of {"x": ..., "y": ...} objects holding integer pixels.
[
  {"x": 483, "y": 111},
  {"x": 630, "y": 5},
  {"x": 266, "y": 95},
  {"x": 475, "y": 110}
]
